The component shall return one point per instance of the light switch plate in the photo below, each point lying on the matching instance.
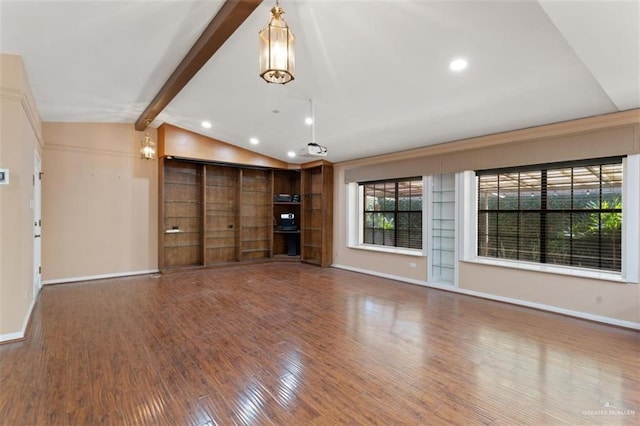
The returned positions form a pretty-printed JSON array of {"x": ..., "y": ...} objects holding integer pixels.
[{"x": 4, "y": 176}]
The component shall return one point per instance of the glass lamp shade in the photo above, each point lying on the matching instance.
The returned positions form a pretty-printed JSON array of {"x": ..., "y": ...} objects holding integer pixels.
[
  {"x": 277, "y": 58},
  {"x": 147, "y": 148}
]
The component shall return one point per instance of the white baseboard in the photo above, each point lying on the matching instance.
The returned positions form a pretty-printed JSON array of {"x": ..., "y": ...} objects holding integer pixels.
[
  {"x": 528, "y": 304},
  {"x": 11, "y": 336},
  {"x": 25, "y": 323},
  {"x": 555, "y": 309},
  {"x": 99, "y": 277}
]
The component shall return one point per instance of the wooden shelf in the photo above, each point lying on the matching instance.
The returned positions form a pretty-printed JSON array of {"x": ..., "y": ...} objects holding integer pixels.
[
  {"x": 285, "y": 203},
  {"x": 286, "y": 257},
  {"x": 182, "y": 217},
  {"x": 179, "y": 231},
  {"x": 183, "y": 245},
  {"x": 181, "y": 183}
]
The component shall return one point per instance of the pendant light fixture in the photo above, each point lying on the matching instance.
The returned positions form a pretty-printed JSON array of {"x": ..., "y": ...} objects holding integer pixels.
[
  {"x": 147, "y": 146},
  {"x": 277, "y": 56}
]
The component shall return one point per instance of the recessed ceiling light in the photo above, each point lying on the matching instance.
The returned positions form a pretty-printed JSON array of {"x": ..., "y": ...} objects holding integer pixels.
[
  {"x": 206, "y": 124},
  {"x": 458, "y": 64},
  {"x": 254, "y": 141},
  {"x": 308, "y": 121},
  {"x": 291, "y": 154}
]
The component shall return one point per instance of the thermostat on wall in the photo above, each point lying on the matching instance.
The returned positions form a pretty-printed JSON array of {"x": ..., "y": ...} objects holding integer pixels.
[{"x": 4, "y": 176}]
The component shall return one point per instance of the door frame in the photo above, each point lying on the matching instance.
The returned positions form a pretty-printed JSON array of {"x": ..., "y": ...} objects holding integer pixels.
[{"x": 37, "y": 223}]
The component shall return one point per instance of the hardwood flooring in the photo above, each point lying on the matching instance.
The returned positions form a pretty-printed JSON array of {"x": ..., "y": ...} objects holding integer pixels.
[{"x": 294, "y": 344}]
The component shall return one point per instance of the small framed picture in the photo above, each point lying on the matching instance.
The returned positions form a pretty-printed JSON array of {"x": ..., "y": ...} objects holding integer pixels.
[{"x": 4, "y": 176}]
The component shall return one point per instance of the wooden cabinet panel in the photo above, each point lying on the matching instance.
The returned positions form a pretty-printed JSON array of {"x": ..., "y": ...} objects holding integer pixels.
[
  {"x": 280, "y": 244},
  {"x": 220, "y": 221},
  {"x": 218, "y": 254},
  {"x": 181, "y": 209},
  {"x": 181, "y": 256}
]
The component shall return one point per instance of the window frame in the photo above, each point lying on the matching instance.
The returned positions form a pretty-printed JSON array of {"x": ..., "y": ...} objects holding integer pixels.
[
  {"x": 395, "y": 213},
  {"x": 546, "y": 210},
  {"x": 630, "y": 273},
  {"x": 354, "y": 215}
]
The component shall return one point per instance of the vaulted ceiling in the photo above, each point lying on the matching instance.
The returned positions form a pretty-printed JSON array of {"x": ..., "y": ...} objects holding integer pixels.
[{"x": 377, "y": 71}]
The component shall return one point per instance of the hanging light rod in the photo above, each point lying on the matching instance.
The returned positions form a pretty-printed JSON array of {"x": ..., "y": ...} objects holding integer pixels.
[
  {"x": 313, "y": 149},
  {"x": 312, "y": 111},
  {"x": 230, "y": 16}
]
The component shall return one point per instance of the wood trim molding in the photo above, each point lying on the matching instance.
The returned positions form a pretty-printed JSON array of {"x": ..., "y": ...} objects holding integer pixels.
[
  {"x": 230, "y": 16},
  {"x": 29, "y": 107},
  {"x": 161, "y": 224},
  {"x": 316, "y": 163}
]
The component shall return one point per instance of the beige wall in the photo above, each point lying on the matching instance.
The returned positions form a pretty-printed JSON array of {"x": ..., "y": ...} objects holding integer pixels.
[
  {"x": 20, "y": 138},
  {"x": 100, "y": 202},
  {"x": 615, "y": 134},
  {"x": 601, "y": 298}
]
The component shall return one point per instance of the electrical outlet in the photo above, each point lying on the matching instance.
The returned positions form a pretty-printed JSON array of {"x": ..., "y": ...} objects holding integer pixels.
[{"x": 412, "y": 264}]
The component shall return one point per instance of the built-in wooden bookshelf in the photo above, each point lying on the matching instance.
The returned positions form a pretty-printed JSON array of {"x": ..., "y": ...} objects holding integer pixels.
[
  {"x": 182, "y": 237},
  {"x": 286, "y": 241},
  {"x": 317, "y": 213},
  {"x": 256, "y": 219},
  {"x": 221, "y": 214},
  {"x": 228, "y": 209}
]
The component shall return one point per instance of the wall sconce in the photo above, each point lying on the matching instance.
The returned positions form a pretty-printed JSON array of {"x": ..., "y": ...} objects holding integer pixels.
[
  {"x": 277, "y": 56},
  {"x": 147, "y": 146}
]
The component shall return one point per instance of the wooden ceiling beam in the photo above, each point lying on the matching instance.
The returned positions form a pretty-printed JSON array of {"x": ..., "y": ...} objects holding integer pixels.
[{"x": 230, "y": 16}]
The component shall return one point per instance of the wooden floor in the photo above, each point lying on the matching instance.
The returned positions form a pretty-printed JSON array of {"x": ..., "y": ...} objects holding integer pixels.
[{"x": 294, "y": 344}]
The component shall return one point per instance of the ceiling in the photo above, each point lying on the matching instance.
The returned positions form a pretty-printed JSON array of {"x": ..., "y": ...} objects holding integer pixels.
[{"x": 377, "y": 71}]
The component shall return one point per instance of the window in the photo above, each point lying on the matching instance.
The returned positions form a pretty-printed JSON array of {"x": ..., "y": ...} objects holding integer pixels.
[
  {"x": 564, "y": 214},
  {"x": 392, "y": 213}
]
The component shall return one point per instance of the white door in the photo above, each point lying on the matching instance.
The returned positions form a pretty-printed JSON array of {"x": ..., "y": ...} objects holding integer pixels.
[{"x": 37, "y": 225}]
